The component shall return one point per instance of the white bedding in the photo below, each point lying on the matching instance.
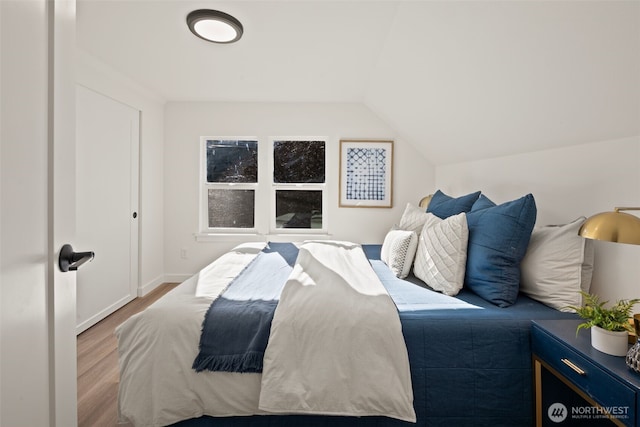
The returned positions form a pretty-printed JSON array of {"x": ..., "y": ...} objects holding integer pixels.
[
  {"x": 336, "y": 345},
  {"x": 157, "y": 348}
]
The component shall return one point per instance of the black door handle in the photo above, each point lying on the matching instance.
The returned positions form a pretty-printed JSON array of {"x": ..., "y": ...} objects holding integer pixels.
[{"x": 70, "y": 260}]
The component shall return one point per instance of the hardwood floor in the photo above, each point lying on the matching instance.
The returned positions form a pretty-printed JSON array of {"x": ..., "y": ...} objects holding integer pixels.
[{"x": 98, "y": 363}]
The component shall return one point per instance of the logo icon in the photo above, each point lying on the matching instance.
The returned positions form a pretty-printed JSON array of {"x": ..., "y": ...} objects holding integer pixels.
[{"x": 557, "y": 412}]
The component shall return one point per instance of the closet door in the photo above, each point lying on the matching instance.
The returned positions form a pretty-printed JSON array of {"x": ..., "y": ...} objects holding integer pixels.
[{"x": 107, "y": 134}]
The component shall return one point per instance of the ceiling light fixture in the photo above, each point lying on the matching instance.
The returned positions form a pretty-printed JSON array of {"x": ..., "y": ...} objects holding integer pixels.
[{"x": 214, "y": 26}]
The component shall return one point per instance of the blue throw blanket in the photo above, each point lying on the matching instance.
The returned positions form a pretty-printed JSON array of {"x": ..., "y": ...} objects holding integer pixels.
[{"x": 236, "y": 328}]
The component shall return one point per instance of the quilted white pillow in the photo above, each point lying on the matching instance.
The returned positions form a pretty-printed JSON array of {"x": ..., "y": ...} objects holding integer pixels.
[
  {"x": 558, "y": 265},
  {"x": 398, "y": 250},
  {"x": 442, "y": 253},
  {"x": 413, "y": 218}
]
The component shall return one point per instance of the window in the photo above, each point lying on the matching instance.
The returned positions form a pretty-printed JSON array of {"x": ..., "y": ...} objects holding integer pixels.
[
  {"x": 298, "y": 209},
  {"x": 298, "y": 162},
  {"x": 232, "y": 161},
  {"x": 298, "y": 184},
  {"x": 231, "y": 208},
  {"x": 238, "y": 185},
  {"x": 230, "y": 182}
]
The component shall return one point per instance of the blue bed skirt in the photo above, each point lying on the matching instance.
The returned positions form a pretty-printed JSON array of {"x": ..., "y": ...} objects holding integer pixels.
[{"x": 469, "y": 367}]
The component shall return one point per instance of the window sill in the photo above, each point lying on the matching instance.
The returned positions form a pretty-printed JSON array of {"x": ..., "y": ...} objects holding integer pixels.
[
  {"x": 255, "y": 237},
  {"x": 229, "y": 237}
]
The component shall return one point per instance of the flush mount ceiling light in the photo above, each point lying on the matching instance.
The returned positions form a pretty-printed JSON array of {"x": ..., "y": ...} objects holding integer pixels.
[{"x": 214, "y": 26}]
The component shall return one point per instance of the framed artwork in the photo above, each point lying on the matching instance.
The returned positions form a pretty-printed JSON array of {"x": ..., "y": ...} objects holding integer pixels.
[{"x": 366, "y": 168}]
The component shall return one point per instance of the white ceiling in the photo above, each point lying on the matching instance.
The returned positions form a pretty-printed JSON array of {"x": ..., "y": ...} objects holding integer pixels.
[{"x": 461, "y": 80}]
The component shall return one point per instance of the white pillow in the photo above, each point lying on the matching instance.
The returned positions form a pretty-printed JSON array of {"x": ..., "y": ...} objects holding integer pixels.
[
  {"x": 557, "y": 266},
  {"x": 413, "y": 219},
  {"x": 398, "y": 250},
  {"x": 442, "y": 253}
]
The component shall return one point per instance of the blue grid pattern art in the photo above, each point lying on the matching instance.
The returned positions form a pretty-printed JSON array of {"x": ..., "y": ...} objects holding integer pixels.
[{"x": 366, "y": 171}]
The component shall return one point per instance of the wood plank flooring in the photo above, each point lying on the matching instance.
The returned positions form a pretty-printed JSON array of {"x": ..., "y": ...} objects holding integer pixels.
[{"x": 98, "y": 363}]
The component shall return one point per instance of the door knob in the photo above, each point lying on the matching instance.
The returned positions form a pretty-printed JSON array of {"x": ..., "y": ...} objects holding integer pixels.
[{"x": 70, "y": 260}]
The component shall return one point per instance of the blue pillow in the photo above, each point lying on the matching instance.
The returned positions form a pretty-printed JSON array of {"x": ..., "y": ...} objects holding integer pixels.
[
  {"x": 482, "y": 203},
  {"x": 444, "y": 206},
  {"x": 498, "y": 240}
]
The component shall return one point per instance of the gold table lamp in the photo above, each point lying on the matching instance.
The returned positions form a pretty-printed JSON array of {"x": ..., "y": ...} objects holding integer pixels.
[
  {"x": 618, "y": 227},
  {"x": 613, "y": 226},
  {"x": 424, "y": 202}
]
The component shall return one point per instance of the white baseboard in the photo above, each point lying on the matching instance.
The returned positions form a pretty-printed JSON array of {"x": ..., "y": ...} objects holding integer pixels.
[
  {"x": 176, "y": 278},
  {"x": 102, "y": 314},
  {"x": 148, "y": 287},
  {"x": 142, "y": 291},
  {"x": 165, "y": 278}
]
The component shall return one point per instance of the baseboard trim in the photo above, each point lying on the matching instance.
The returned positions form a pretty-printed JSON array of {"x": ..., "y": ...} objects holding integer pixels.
[
  {"x": 165, "y": 278},
  {"x": 150, "y": 286},
  {"x": 104, "y": 313},
  {"x": 176, "y": 278}
]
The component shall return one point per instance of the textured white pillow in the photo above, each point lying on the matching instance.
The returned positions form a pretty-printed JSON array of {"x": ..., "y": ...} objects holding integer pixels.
[
  {"x": 441, "y": 257},
  {"x": 413, "y": 219},
  {"x": 557, "y": 266},
  {"x": 398, "y": 250}
]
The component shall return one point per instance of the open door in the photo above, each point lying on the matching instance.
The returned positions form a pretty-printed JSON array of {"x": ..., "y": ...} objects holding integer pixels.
[{"x": 37, "y": 201}]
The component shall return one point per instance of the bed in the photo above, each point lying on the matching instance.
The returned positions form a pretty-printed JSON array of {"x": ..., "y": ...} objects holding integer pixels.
[{"x": 469, "y": 359}]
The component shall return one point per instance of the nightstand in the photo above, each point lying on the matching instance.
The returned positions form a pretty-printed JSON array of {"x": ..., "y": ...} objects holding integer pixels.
[{"x": 575, "y": 384}]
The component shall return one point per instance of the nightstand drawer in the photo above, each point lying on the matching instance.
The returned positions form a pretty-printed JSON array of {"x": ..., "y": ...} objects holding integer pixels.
[{"x": 600, "y": 385}]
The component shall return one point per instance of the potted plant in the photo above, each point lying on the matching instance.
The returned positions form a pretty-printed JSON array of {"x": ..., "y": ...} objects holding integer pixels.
[{"x": 610, "y": 327}]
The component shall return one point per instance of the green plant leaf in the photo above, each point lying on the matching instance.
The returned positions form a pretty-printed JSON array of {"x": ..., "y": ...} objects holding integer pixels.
[{"x": 595, "y": 312}]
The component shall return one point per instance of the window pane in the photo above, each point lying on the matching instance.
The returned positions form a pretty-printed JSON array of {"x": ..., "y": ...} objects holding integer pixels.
[
  {"x": 298, "y": 161},
  {"x": 232, "y": 161},
  {"x": 298, "y": 209},
  {"x": 231, "y": 208}
]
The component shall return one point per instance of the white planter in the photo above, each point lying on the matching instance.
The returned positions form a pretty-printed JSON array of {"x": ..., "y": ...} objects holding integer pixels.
[{"x": 613, "y": 343}]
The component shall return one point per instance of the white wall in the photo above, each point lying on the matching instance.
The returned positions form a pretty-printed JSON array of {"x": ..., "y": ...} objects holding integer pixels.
[
  {"x": 567, "y": 183},
  {"x": 101, "y": 78},
  {"x": 186, "y": 122},
  {"x": 480, "y": 79}
]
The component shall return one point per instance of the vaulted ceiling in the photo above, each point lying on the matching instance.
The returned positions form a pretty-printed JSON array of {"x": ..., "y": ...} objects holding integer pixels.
[{"x": 460, "y": 80}]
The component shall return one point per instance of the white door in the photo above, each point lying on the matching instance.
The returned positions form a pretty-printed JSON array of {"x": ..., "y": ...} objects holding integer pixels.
[
  {"x": 107, "y": 138},
  {"x": 37, "y": 199}
]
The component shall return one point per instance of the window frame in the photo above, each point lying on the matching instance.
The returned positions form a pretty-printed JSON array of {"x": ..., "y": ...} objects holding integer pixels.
[
  {"x": 205, "y": 186},
  {"x": 264, "y": 192},
  {"x": 273, "y": 187}
]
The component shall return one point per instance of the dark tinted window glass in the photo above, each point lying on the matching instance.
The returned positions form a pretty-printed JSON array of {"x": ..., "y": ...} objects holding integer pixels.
[
  {"x": 232, "y": 161},
  {"x": 231, "y": 208},
  {"x": 298, "y": 161},
  {"x": 298, "y": 209}
]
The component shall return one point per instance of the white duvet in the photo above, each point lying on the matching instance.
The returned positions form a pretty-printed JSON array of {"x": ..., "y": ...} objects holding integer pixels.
[
  {"x": 336, "y": 344},
  {"x": 316, "y": 373}
]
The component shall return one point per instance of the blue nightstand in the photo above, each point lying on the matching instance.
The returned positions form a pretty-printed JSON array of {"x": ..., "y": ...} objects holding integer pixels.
[{"x": 575, "y": 384}]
